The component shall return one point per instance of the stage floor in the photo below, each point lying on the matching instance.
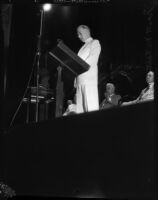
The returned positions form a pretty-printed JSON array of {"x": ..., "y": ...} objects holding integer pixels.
[{"x": 108, "y": 153}]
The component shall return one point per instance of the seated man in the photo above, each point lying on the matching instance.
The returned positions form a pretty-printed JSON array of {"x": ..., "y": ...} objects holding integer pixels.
[
  {"x": 71, "y": 109},
  {"x": 147, "y": 93},
  {"x": 111, "y": 99}
]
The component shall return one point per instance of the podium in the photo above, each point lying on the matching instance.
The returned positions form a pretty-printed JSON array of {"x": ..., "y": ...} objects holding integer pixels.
[{"x": 68, "y": 59}]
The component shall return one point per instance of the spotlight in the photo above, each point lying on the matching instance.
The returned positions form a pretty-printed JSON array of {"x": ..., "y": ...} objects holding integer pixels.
[{"x": 47, "y": 7}]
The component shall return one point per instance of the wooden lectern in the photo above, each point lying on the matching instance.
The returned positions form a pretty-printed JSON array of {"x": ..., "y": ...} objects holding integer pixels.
[{"x": 66, "y": 58}]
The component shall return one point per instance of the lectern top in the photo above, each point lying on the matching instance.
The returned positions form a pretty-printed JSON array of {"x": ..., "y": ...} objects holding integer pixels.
[{"x": 69, "y": 59}]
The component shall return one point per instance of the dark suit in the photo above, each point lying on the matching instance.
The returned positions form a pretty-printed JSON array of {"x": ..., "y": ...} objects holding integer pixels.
[{"x": 114, "y": 101}]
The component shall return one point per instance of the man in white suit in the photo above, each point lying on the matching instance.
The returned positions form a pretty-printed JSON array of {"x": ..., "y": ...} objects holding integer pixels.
[{"x": 87, "y": 83}]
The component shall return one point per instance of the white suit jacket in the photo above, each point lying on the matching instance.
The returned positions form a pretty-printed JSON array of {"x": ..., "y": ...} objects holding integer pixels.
[{"x": 89, "y": 52}]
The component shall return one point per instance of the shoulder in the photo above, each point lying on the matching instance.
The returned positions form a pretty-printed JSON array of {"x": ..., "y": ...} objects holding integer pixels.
[
  {"x": 117, "y": 96},
  {"x": 95, "y": 42}
]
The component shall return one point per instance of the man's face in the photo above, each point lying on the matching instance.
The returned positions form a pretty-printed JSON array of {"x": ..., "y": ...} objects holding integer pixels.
[
  {"x": 83, "y": 34},
  {"x": 150, "y": 77},
  {"x": 109, "y": 89}
]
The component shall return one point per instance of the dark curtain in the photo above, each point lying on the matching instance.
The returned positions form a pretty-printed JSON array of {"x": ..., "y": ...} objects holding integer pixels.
[
  {"x": 119, "y": 25},
  {"x": 20, "y": 57},
  {"x": 5, "y": 22},
  {"x": 1, "y": 68},
  {"x": 120, "y": 28}
]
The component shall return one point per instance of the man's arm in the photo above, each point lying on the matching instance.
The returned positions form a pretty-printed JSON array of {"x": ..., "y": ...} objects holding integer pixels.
[
  {"x": 131, "y": 102},
  {"x": 94, "y": 53}
]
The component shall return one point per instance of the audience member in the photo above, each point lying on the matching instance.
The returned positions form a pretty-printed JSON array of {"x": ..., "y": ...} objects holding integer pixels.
[
  {"x": 111, "y": 99},
  {"x": 71, "y": 108},
  {"x": 147, "y": 93}
]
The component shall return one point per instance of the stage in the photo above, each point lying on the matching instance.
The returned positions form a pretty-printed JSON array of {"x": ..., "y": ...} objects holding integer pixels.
[{"x": 107, "y": 153}]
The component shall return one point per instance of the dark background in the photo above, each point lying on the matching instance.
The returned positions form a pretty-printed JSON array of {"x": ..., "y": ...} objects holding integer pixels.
[
  {"x": 120, "y": 27},
  {"x": 118, "y": 24}
]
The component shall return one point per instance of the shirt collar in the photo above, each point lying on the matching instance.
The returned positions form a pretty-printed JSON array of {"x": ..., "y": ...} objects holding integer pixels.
[{"x": 89, "y": 39}]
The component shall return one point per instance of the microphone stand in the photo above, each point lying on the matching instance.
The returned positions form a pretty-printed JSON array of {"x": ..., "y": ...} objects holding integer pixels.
[{"x": 38, "y": 54}]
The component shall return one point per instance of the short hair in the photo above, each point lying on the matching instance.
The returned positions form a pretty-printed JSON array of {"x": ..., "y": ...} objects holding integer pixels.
[
  {"x": 150, "y": 71},
  {"x": 84, "y": 27},
  {"x": 110, "y": 85}
]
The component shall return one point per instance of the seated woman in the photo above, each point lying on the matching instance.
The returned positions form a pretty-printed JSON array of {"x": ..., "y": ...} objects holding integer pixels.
[
  {"x": 111, "y": 99},
  {"x": 147, "y": 93}
]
